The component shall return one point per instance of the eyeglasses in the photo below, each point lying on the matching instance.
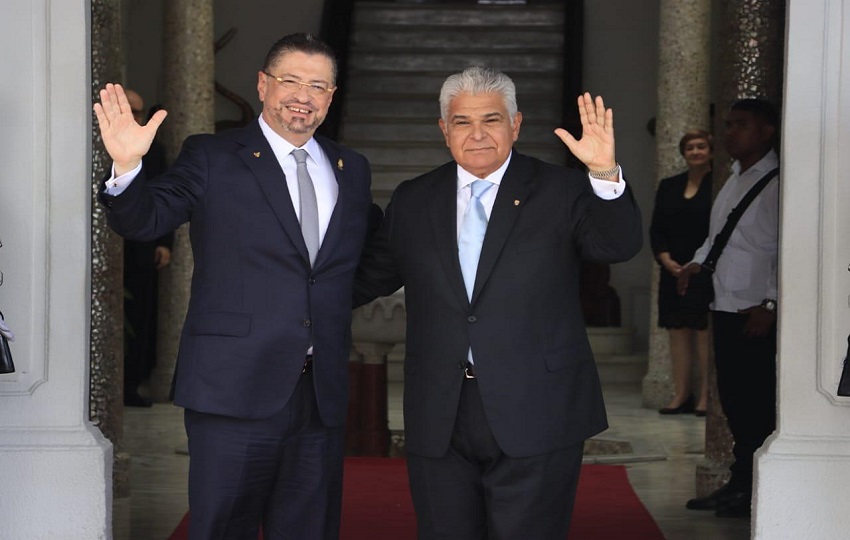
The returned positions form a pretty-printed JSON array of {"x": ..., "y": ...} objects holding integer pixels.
[{"x": 290, "y": 85}]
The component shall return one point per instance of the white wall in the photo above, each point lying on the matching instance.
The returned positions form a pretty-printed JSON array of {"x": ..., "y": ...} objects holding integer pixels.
[
  {"x": 55, "y": 467},
  {"x": 803, "y": 470}
]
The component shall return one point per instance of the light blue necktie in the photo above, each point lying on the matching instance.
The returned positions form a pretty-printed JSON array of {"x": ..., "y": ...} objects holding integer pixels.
[{"x": 472, "y": 235}]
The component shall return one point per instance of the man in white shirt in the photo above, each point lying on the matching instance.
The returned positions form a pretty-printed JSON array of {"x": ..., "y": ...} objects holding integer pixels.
[{"x": 744, "y": 307}]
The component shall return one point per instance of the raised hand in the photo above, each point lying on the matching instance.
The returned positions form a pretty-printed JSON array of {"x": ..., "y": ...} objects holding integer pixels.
[
  {"x": 596, "y": 147},
  {"x": 125, "y": 140}
]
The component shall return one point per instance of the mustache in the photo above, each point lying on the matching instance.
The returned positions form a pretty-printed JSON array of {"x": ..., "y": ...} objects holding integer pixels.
[{"x": 281, "y": 106}]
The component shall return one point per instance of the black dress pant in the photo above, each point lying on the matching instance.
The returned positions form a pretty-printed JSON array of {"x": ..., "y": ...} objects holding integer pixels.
[
  {"x": 282, "y": 472},
  {"x": 746, "y": 384},
  {"x": 476, "y": 492}
]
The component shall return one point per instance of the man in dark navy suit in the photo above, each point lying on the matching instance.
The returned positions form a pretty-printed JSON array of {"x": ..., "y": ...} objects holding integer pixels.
[
  {"x": 278, "y": 219},
  {"x": 501, "y": 389}
]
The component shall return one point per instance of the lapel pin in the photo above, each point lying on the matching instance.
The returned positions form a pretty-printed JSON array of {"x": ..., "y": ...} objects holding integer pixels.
[
  {"x": 516, "y": 202},
  {"x": 256, "y": 154},
  {"x": 339, "y": 164}
]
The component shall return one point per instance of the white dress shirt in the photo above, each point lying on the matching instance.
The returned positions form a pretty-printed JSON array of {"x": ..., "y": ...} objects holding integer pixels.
[{"x": 746, "y": 269}]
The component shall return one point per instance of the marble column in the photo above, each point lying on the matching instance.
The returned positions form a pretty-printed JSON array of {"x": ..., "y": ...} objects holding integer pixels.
[
  {"x": 106, "y": 405},
  {"x": 683, "y": 104},
  {"x": 189, "y": 91},
  {"x": 749, "y": 64}
]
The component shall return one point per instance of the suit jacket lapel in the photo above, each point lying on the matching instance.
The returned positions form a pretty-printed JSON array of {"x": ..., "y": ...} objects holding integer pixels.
[
  {"x": 444, "y": 224},
  {"x": 260, "y": 159},
  {"x": 338, "y": 217},
  {"x": 514, "y": 190}
]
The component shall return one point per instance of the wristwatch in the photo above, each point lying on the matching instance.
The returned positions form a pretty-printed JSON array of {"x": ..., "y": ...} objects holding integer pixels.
[{"x": 769, "y": 304}]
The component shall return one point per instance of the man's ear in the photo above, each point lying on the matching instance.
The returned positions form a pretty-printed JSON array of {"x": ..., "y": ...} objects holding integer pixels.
[
  {"x": 517, "y": 122},
  {"x": 445, "y": 130},
  {"x": 768, "y": 132},
  {"x": 261, "y": 85}
]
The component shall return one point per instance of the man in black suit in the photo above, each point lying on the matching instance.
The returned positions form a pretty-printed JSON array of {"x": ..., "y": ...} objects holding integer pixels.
[
  {"x": 501, "y": 389},
  {"x": 278, "y": 219}
]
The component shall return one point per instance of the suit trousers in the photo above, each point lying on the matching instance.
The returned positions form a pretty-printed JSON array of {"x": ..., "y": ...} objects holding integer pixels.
[
  {"x": 476, "y": 492},
  {"x": 746, "y": 385},
  {"x": 282, "y": 472}
]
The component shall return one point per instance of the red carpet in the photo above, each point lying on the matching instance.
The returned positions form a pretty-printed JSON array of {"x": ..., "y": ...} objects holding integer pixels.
[{"x": 376, "y": 504}]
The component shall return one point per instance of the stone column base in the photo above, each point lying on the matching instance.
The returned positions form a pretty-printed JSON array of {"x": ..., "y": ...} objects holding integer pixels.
[
  {"x": 800, "y": 488},
  {"x": 58, "y": 483},
  {"x": 710, "y": 476}
]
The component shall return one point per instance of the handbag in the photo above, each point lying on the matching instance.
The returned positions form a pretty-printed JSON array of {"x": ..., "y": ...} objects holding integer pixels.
[
  {"x": 6, "y": 364},
  {"x": 844, "y": 383},
  {"x": 700, "y": 292}
]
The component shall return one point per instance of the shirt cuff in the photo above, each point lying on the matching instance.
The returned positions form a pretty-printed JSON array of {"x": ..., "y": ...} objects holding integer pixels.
[
  {"x": 117, "y": 184},
  {"x": 606, "y": 189}
]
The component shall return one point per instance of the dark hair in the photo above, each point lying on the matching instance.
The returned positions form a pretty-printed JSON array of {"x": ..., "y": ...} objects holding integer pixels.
[
  {"x": 305, "y": 43},
  {"x": 760, "y": 108},
  {"x": 695, "y": 134}
]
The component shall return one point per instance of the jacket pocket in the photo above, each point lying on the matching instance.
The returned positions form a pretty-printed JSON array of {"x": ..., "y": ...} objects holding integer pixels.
[{"x": 564, "y": 354}]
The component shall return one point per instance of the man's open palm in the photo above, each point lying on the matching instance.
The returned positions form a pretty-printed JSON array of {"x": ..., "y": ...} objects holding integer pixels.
[
  {"x": 125, "y": 140},
  {"x": 596, "y": 147}
]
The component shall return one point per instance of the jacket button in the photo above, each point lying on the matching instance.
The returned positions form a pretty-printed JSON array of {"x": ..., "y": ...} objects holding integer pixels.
[
  {"x": 472, "y": 318},
  {"x": 307, "y": 323},
  {"x": 312, "y": 281}
]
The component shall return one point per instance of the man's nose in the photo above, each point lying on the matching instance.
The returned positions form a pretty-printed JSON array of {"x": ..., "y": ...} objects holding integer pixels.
[{"x": 302, "y": 94}]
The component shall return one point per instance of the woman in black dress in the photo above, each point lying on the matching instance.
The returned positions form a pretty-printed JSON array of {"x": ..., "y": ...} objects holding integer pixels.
[{"x": 679, "y": 226}]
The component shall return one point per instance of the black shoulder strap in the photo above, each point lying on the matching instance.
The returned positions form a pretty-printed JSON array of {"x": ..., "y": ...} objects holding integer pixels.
[{"x": 723, "y": 237}]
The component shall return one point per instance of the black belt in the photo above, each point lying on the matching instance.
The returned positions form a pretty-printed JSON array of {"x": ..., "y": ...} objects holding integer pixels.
[
  {"x": 308, "y": 365},
  {"x": 469, "y": 372}
]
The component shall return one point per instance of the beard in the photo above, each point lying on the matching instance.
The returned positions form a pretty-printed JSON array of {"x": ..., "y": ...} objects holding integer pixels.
[{"x": 298, "y": 124}]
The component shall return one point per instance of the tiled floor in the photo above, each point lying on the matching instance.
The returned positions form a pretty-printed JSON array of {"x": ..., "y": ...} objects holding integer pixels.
[{"x": 661, "y": 469}]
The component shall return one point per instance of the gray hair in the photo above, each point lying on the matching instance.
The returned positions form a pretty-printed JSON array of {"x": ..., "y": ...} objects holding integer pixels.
[{"x": 478, "y": 80}]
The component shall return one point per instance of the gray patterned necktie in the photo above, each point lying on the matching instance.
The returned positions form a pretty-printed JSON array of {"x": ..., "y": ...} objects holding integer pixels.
[{"x": 309, "y": 206}]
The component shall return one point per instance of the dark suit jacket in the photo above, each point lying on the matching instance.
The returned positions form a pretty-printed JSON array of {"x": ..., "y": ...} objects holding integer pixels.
[
  {"x": 255, "y": 303},
  {"x": 536, "y": 373}
]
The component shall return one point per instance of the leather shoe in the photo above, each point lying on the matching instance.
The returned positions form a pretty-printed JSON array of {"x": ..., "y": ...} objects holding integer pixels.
[
  {"x": 718, "y": 498},
  {"x": 737, "y": 507},
  {"x": 685, "y": 407},
  {"x": 135, "y": 400}
]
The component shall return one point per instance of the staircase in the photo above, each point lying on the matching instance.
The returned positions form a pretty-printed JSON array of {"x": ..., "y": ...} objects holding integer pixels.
[{"x": 400, "y": 55}]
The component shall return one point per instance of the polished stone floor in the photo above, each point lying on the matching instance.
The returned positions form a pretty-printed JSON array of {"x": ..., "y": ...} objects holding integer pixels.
[{"x": 661, "y": 468}]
